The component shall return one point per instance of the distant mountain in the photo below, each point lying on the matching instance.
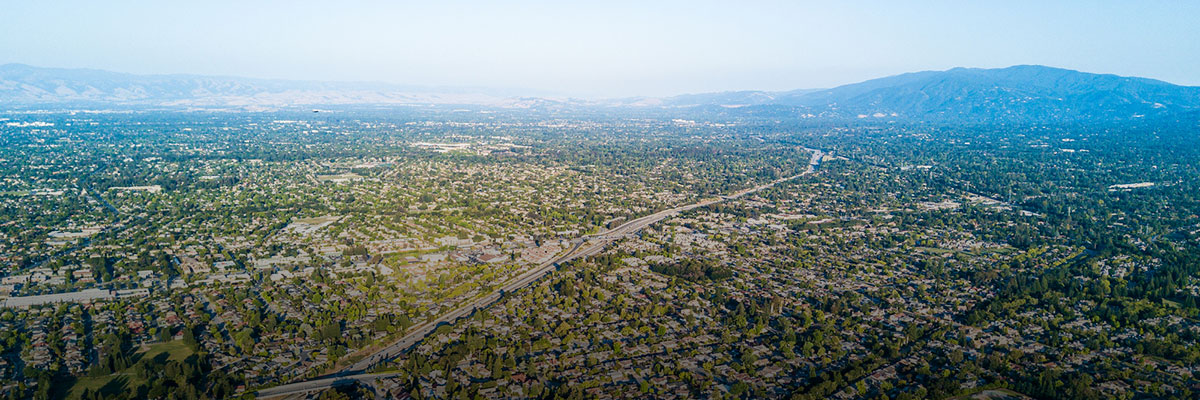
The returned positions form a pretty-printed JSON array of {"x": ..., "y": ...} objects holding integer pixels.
[
  {"x": 1024, "y": 93},
  {"x": 1019, "y": 94},
  {"x": 27, "y": 85}
]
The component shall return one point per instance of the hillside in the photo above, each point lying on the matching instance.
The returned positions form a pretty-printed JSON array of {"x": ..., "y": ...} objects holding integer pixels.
[{"x": 1018, "y": 94}]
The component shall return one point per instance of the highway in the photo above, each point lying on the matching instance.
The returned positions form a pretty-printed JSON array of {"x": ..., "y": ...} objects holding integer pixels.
[
  {"x": 321, "y": 384},
  {"x": 584, "y": 246}
]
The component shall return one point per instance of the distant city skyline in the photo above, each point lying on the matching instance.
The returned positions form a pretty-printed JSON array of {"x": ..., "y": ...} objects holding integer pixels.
[{"x": 604, "y": 49}]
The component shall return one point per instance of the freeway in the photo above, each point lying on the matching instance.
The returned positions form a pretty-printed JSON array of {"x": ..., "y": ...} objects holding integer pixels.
[
  {"x": 585, "y": 246},
  {"x": 321, "y": 384}
]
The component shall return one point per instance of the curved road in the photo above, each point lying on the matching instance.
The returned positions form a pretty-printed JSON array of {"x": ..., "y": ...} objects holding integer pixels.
[{"x": 584, "y": 246}]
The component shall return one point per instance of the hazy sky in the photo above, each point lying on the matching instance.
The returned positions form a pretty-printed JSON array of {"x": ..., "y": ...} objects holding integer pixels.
[{"x": 605, "y": 48}]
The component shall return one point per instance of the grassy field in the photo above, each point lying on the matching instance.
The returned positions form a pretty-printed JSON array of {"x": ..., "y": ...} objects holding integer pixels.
[
  {"x": 115, "y": 383},
  {"x": 992, "y": 394},
  {"x": 122, "y": 381}
]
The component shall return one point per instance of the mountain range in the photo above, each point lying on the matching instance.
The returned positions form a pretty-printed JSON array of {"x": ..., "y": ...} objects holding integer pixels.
[
  {"x": 24, "y": 85},
  {"x": 1020, "y": 93},
  {"x": 1024, "y": 93}
]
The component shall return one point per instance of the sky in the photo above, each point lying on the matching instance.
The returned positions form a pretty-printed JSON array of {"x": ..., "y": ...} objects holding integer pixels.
[{"x": 602, "y": 49}]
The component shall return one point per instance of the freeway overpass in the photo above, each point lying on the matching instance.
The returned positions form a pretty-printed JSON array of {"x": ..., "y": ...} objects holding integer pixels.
[
  {"x": 321, "y": 384},
  {"x": 585, "y": 246}
]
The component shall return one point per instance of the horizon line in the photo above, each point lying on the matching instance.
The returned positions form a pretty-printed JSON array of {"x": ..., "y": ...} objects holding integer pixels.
[{"x": 549, "y": 93}]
